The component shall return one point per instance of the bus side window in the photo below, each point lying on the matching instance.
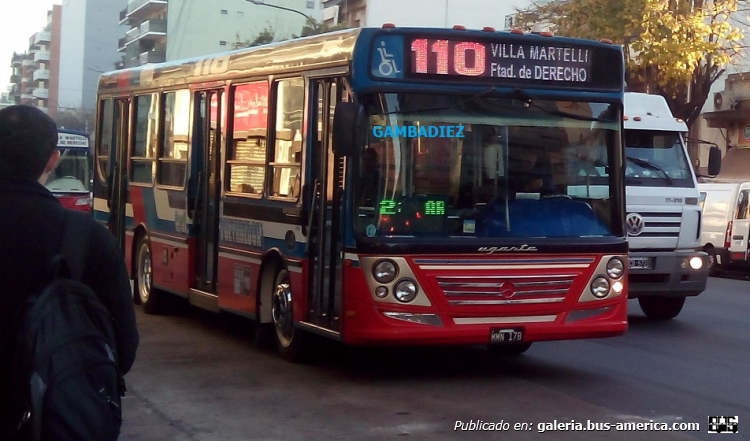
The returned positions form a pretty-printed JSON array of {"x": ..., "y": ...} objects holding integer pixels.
[
  {"x": 144, "y": 145},
  {"x": 174, "y": 150},
  {"x": 246, "y": 159},
  {"x": 287, "y": 154},
  {"x": 103, "y": 150}
]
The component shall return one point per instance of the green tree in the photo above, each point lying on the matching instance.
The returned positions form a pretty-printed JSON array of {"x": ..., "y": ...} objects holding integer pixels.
[
  {"x": 314, "y": 27},
  {"x": 266, "y": 36},
  {"x": 675, "y": 48}
]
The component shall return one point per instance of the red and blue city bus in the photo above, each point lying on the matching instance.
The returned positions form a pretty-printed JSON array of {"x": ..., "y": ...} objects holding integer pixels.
[
  {"x": 70, "y": 181},
  {"x": 366, "y": 185}
]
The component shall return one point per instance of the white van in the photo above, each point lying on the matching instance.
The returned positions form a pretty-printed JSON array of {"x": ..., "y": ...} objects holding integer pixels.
[{"x": 726, "y": 222}]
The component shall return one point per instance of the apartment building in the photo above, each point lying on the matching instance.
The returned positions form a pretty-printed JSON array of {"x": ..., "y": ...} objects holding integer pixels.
[
  {"x": 60, "y": 70},
  {"x": 163, "y": 30},
  {"x": 474, "y": 14},
  {"x": 36, "y": 73}
]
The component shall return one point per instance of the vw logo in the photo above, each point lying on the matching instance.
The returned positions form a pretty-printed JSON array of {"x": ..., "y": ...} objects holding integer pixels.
[{"x": 634, "y": 223}]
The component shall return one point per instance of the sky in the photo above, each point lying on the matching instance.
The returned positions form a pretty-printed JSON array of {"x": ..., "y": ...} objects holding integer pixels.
[{"x": 21, "y": 19}]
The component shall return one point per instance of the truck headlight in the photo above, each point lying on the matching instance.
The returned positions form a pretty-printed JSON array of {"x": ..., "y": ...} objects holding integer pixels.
[
  {"x": 615, "y": 268},
  {"x": 405, "y": 291},
  {"x": 600, "y": 287},
  {"x": 385, "y": 271}
]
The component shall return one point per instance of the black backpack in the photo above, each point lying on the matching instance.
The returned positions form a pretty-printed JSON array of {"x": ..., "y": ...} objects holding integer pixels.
[{"x": 65, "y": 381}]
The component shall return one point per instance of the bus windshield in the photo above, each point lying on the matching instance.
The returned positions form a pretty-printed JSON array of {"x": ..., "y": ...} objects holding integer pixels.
[
  {"x": 72, "y": 172},
  {"x": 479, "y": 166}
]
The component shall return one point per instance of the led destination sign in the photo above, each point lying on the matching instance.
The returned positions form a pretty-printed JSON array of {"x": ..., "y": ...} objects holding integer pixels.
[{"x": 516, "y": 61}]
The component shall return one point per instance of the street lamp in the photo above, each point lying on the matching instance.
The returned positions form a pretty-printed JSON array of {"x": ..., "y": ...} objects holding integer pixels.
[{"x": 260, "y": 3}]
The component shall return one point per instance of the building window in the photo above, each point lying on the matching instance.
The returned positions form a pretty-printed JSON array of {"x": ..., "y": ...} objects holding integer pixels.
[
  {"x": 310, "y": 5},
  {"x": 222, "y": 43},
  {"x": 224, "y": 12}
]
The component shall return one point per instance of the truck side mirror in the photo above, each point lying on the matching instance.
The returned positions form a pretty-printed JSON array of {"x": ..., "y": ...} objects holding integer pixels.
[
  {"x": 714, "y": 161},
  {"x": 348, "y": 128}
]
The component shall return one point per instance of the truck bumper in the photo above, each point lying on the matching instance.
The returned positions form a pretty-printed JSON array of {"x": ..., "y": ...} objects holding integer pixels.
[{"x": 669, "y": 275}]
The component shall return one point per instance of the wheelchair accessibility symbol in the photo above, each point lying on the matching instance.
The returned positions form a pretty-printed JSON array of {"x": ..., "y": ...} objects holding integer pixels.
[
  {"x": 387, "y": 57},
  {"x": 387, "y": 65}
]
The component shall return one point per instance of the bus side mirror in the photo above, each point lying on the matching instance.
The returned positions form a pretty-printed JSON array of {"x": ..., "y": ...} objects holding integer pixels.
[
  {"x": 714, "y": 161},
  {"x": 348, "y": 128}
]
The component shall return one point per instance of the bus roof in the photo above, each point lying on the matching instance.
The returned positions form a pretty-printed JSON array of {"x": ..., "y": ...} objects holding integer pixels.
[{"x": 315, "y": 52}]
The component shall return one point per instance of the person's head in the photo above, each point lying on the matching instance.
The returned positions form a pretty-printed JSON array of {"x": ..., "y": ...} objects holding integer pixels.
[
  {"x": 524, "y": 158},
  {"x": 28, "y": 141},
  {"x": 370, "y": 159},
  {"x": 490, "y": 136}
]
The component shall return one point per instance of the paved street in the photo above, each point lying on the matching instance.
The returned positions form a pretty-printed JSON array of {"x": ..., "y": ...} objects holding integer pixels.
[{"x": 199, "y": 377}]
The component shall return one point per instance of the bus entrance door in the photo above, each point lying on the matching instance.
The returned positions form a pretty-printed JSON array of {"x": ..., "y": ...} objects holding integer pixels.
[
  {"x": 325, "y": 229},
  {"x": 205, "y": 193}
]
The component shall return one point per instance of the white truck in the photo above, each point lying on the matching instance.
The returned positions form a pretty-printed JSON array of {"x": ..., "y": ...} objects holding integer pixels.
[{"x": 663, "y": 211}]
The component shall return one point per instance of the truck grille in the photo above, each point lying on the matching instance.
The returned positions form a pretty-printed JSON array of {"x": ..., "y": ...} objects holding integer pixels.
[{"x": 660, "y": 224}]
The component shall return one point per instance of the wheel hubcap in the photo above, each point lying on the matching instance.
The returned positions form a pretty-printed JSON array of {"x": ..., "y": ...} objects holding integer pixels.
[
  {"x": 282, "y": 313},
  {"x": 144, "y": 273}
]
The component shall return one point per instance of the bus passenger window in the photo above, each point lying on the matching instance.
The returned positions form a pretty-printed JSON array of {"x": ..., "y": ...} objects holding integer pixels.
[
  {"x": 246, "y": 163},
  {"x": 144, "y": 140},
  {"x": 285, "y": 165},
  {"x": 174, "y": 141},
  {"x": 106, "y": 116}
]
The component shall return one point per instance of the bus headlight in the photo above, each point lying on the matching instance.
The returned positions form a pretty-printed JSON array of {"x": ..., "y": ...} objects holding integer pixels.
[
  {"x": 600, "y": 287},
  {"x": 385, "y": 271},
  {"x": 615, "y": 268},
  {"x": 405, "y": 291},
  {"x": 381, "y": 292}
]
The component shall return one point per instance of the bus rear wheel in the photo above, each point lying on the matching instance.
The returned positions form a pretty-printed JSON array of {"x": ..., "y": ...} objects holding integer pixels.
[
  {"x": 289, "y": 341},
  {"x": 144, "y": 289},
  {"x": 661, "y": 308}
]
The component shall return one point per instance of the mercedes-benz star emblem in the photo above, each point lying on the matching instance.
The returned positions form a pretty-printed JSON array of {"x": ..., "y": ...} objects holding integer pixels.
[{"x": 634, "y": 223}]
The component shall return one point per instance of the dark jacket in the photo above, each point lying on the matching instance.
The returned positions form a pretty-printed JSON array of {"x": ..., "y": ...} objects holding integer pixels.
[{"x": 31, "y": 221}]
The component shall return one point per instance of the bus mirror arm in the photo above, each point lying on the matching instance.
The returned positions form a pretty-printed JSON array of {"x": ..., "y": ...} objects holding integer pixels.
[{"x": 348, "y": 128}]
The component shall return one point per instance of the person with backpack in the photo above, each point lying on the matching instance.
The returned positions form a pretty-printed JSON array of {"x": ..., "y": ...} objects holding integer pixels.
[{"x": 60, "y": 271}]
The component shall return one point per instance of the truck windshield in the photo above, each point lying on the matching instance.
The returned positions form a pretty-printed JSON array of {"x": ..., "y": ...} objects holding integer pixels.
[
  {"x": 71, "y": 174},
  {"x": 656, "y": 158},
  {"x": 479, "y": 166}
]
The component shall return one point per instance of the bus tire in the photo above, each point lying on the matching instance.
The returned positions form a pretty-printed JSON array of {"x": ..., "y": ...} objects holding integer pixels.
[
  {"x": 149, "y": 298},
  {"x": 510, "y": 350},
  {"x": 661, "y": 308},
  {"x": 289, "y": 340}
]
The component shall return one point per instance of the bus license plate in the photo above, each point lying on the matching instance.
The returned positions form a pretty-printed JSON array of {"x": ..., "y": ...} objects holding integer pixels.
[
  {"x": 638, "y": 263},
  {"x": 501, "y": 336}
]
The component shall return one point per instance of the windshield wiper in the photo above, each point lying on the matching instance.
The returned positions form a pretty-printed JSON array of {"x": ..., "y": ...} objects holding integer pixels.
[
  {"x": 521, "y": 95},
  {"x": 649, "y": 165}
]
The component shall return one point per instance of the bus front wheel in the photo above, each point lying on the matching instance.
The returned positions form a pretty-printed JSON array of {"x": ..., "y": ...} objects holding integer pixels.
[
  {"x": 661, "y": 308},
  {"x": 147, "y": 295},
  {"x": 289, "y": 341}
]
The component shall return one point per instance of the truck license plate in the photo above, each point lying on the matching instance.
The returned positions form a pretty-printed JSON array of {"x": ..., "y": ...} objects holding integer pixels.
[
  {"x": 501, "y": 336},
  {"x": 638, "y": 263}
]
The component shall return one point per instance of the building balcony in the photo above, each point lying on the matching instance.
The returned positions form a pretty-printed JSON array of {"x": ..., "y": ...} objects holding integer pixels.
[
  {"x": 42, "y": 37},
  {"x": 15, "y": 78},
  {"x": 143, "y": 9},
  {"x": 25, "y": 80},
  {"x": 41, "y": 56},
  {"x": 26, "y": 96},
  {"x": 121, "y": 43},
  {"x": 41, "y": 92},
  {"x": 152, "y": 57},
  {"x": 41, "y": 74},
  {"x": 124, "y": 17},
  {"x": 148, "y": 30},
  {"x": 27, "y": 62}
]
